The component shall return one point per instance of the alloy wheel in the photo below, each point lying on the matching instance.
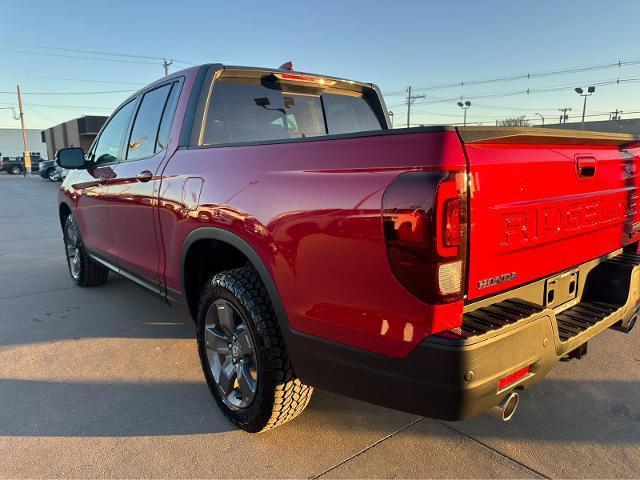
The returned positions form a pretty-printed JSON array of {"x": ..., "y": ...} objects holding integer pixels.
[
  {"x": 72, "y": 245},
  {"x": 231, "y": 354}
]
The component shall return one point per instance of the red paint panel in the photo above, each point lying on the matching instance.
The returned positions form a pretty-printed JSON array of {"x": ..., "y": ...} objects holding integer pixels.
[
  {"x": 532, "y": 214},
  {"x": 312, "y": 211}
]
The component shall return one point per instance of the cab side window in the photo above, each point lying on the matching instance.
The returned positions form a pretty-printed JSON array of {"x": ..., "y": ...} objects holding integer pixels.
[
  {"x": 164, "y": 132},
  {"x": 144, "y": 141},
  {"x": 108, "y": 147}
]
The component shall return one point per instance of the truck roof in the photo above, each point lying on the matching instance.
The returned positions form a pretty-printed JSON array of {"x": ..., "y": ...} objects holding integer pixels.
[{"x": 220, "y": 66}]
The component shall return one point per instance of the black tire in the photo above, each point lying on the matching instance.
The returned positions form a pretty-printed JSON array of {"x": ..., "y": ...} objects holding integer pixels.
[
  {"x": 14, "y": 170},
  {"x": 87, "y": 272},
  {"x": 279, "y": 395},
  {"x": 51, "y": 175}
]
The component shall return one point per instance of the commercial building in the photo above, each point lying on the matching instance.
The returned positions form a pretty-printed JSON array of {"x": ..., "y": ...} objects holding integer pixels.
[
  {"x": 79, "y": 132},
  {"x": 12, "y": 145},
  {"x": 631, "y": 125}
]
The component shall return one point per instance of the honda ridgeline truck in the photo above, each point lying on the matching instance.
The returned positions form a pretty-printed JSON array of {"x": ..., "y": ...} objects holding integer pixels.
[{"x": 432, "y": 270}]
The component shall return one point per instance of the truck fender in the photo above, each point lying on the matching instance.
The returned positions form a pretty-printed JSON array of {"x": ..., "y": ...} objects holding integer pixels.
[{"x": 214, "y": 233}]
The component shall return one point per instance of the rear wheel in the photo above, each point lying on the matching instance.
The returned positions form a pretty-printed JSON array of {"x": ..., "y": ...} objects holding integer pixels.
[
  {"x": 243, "y": 355},
  {"x": 51, "y": 174},
  {"x": 14, "y": 170},
  {"x": 84, "y": 270}
]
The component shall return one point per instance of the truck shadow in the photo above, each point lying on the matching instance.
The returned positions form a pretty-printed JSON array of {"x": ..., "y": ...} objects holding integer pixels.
[{"x": 603, "y": 412}]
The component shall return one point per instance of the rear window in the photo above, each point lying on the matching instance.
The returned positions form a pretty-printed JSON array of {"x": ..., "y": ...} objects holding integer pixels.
[{"x": 244, "y": 110}]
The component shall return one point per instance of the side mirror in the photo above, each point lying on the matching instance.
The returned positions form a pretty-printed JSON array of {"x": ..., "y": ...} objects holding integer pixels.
[{"x": 71, "y": 158}]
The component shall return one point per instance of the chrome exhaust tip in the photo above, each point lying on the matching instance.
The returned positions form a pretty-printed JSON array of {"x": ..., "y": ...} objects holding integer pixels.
[
  {"x": 626, "y": 326},
  {"x": 506, "y": 408}
]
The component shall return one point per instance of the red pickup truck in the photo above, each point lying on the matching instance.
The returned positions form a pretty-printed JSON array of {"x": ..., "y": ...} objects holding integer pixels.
[{"x": 432, "y": 270}]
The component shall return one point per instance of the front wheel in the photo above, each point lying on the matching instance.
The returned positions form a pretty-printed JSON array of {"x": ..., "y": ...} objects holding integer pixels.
[
  {"x": 15, "y": 170},
  {"x": 243, "y": 355},
  {"x": 51, "y": 175},
  {"x": 84, "y": 270}
]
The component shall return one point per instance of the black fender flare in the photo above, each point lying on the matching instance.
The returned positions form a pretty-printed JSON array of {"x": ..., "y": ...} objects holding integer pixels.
[{"x": 219, "y": 234}]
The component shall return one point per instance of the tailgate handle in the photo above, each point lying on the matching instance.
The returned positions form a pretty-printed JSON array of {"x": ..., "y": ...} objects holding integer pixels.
[{"x": 585, "y": 165}]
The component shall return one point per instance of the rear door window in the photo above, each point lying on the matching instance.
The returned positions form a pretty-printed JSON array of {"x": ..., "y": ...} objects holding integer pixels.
[
  {"x": 144, "y": 134},
  {"x": 245, "y": 110},
  {"x": 166, "y": 123}
]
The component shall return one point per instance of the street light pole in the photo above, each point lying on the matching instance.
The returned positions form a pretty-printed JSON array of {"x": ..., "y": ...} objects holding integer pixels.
[
  {"x": 584, "y": 94},
  {"x": 465, "y": 106},
  {"x": 540, "y": 115}
]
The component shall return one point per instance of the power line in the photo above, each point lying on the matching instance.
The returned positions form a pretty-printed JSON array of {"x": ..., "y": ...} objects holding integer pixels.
[
  {"x": 68, "y": 79},
  {"x": 62, "y": 107},
  {"x": 527, "y": 76},
  {"x": 529, "y": 91},
  {"x": 48, "y": 54},
  {"x": 33, "y": 110},
  {"x": 93, "y": 52},
  {"x": 510, "y": 107},
  {"x": 72, "y": 93},
  {"x": 69, "y": 107}
]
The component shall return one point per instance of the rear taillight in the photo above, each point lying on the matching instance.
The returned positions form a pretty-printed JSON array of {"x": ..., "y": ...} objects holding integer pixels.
[
  {"x": 453, "y": 223},
  {"x": 425, "y": 228}
]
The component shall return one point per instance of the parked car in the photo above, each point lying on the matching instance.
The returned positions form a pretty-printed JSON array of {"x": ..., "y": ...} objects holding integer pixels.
[
  {"x": 434, "y": 270},
  {"x": 49, "y": 170},
  {"x": 12, "y": 165},
  {"x": 15, "y": 165}
]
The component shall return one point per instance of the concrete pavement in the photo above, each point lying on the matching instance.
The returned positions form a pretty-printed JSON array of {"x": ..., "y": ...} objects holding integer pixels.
[{"x": 105, "y": 382}]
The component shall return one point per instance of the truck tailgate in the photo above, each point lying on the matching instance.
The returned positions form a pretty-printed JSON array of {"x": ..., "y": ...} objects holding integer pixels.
[{"x": 543, "y": 201}]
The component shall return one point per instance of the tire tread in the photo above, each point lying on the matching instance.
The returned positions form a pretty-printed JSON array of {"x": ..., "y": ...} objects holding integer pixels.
[
  {"x": 290, "y": 396},
  {"x": 92, "y": 273}
]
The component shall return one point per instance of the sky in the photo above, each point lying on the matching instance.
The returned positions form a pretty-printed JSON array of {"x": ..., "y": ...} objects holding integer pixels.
[{"x": 392, "y": 43}]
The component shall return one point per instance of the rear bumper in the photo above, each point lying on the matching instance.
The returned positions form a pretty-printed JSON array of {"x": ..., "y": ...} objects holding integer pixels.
[{"x": 455, "y": 379}]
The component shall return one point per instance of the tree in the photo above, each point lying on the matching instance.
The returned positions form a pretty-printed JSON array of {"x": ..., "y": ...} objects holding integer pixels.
[{"x": 520, "y": 121}]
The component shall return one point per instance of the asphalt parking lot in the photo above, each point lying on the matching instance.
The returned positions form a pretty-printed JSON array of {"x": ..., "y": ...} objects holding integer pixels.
[{"x": 105, "y": 382}]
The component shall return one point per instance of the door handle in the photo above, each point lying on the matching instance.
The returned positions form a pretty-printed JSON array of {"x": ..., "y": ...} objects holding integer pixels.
[{"x": 144, "y": 176}]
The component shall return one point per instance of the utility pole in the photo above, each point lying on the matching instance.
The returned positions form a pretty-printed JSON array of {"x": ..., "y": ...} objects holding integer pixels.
[
  {"x": 165, "y": 65},
  {"x": 564, "y": 116},
  {"x": 615, "y": 115},
  {"x": 27, "y": 153},
  {"x": 410, "y": 100}
]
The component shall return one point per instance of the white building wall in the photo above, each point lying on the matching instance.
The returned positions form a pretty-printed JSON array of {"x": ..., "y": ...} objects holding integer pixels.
[{"x": 11, "y": 142}]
